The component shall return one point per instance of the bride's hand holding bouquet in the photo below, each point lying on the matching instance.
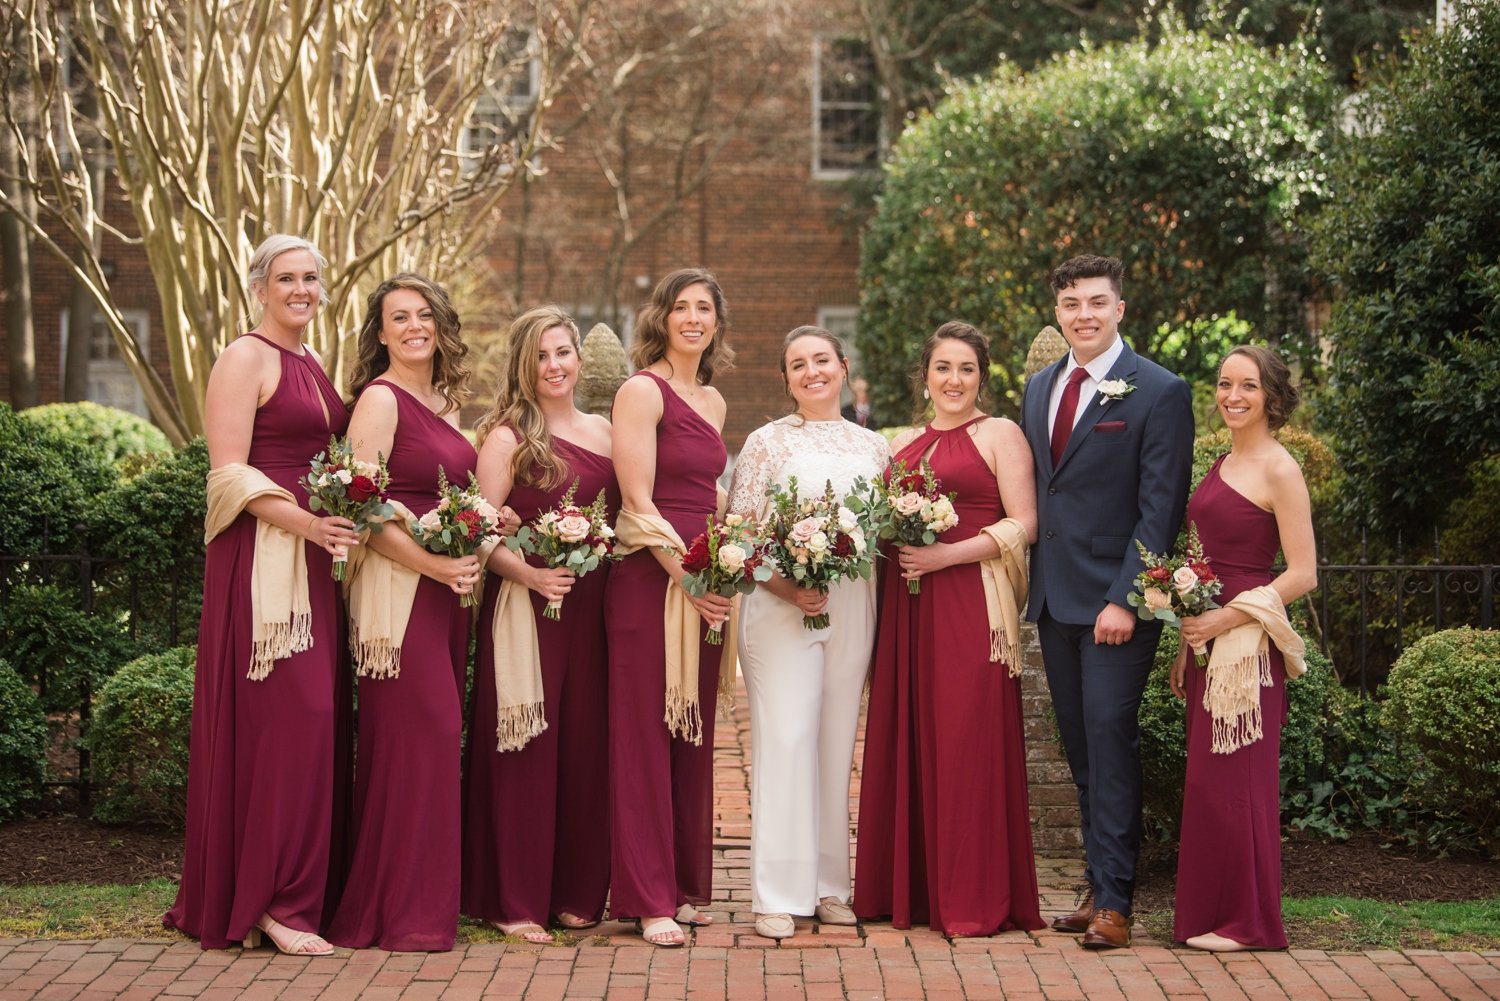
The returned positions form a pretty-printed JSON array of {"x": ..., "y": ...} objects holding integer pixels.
[{"x": 814, "y": 542}]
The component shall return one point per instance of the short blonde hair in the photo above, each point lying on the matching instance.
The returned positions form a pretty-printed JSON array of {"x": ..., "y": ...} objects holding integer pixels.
[{"x": 273, "y": 247}]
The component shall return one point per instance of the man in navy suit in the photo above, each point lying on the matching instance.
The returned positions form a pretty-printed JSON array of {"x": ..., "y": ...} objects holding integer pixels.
[{"x": 1112, "y": 437}]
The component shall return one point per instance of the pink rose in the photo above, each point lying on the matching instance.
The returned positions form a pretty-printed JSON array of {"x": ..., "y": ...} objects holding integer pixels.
[
  {"x": 805, "y": 529},
  {"x": 574, "y": 528},
  {"x": 908, "y": 504},
  {"x": 1157, "y": 598},
  {"x": 1185, "y": 579}
]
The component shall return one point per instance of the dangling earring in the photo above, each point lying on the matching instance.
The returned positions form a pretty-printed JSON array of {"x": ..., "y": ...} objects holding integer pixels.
[{"x": 926, "y": 395}]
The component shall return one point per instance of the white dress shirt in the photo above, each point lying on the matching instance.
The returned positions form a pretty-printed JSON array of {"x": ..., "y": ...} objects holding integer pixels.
[{"x": 1088, "y": 389}]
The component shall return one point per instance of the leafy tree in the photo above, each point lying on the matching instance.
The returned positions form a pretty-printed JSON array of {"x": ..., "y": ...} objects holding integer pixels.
[
  {"x": 1188, "y": 160},
  {"x": 1411, "y": 249}
]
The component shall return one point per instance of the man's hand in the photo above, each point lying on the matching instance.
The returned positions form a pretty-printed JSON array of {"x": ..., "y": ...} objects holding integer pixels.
[{"x": 1115, "y": 625}]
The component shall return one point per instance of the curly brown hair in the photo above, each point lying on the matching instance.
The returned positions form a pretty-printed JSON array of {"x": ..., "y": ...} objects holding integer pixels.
[
  {"x": 953, "y": 330},
  {"x": 1282, "y": 395},
  {"x": 450, "y": 376},
  {"x": 1071, "y": 271},
  {"x": 651, "y": 326}
]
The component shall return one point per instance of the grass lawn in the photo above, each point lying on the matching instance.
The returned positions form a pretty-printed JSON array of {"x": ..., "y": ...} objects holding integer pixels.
[{"x": 1346, "y": 924}]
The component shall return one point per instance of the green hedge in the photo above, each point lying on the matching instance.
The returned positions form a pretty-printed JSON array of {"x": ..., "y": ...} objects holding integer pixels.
[
  {"x": 139, "y": 739},
  {"x": 46, "y": 478},
  {"x": 24, "y": 740},
  {"x": 1443, "y": 696},
  {"x": 112, "y": 435}
]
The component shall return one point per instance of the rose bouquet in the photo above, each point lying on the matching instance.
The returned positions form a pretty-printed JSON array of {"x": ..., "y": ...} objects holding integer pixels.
[
  {"x": 568, "y": 536},
  {"x": 912, "y": 510},
  {"x": 724, "y": 560},
  {"x": 816, "y": 541},
  {"x": 345, "y": 487},
  {"x": 462, "y": 521},
  {"x": 1174, "y": 587}
]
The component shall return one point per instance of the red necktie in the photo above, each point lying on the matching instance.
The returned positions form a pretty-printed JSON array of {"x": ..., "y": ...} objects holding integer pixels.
[{"x": 1066, "y": 408}]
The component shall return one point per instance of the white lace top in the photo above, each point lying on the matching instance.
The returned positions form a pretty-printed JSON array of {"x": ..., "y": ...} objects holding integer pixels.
[{"x": 813, "y": 451}]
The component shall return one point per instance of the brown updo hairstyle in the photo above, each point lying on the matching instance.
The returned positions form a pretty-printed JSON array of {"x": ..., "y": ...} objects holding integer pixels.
[
  {"x": 810, "y": 331},
  {"x": 651, "y": 326},
  {"x": 953, "y": 330},
  {"x": 450, "y": 376},
  {"x": 1282, "y": 394}
]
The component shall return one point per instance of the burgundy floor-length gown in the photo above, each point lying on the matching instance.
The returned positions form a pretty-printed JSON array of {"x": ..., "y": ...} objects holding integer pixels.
[
  {"x": 536, "y": 821},
  {"x": 268, "y": 776},
  {"x": 403, "y": 887},
  {"x": 944, "y": 823},
  {"x": 661, "y": 786},
  {"x": 1229, "y": 860}
]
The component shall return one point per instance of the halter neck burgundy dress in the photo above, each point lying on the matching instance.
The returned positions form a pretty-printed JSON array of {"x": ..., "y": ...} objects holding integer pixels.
[
  {"x": 944, "y": 822},
  {"x": 268, "y": 776},
  {"x": 661, "y": 807},
  {"x": 536, "y": 820},
  {"x": 1229, "y": 862},
  {"x": 402, "y": 893}
]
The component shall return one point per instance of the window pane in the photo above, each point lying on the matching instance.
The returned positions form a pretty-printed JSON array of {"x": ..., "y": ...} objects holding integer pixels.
[
  {"x": 847, "y": 75},
  {"x": 850, "y": 138}
]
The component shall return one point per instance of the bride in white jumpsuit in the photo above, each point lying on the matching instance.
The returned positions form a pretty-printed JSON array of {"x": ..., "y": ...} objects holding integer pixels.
[{"x": 804, "y": 685}]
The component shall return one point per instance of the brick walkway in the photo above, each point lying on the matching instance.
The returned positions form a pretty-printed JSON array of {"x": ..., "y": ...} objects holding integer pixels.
[{"x": 729, "y": 962}]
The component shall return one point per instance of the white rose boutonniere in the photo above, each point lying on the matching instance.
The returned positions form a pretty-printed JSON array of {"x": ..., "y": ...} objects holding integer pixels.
[{"x": 1114, "y": 389}]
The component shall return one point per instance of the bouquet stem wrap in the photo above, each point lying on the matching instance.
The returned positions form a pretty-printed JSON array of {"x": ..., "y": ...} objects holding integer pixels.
[
  {"x": 280, "y": 608},
  {"x": 1240, "y": 666},
  {"x": 635, "y": 530},
  {"x": 1005, "y": 591}
]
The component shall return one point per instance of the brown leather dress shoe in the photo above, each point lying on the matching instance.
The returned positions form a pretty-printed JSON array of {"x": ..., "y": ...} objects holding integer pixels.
[
  {"x": 1107, "y": 930},
  {"x": 1078, "y": 921}
]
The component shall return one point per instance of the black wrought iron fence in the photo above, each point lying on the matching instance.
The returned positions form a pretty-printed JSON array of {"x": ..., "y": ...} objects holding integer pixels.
[{"x": 147, "y": 604}]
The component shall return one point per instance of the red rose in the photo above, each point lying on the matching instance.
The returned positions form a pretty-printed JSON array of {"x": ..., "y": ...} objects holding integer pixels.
[
  {"x": 1203, "y": 571},
  {"x": 1159, "y": 573},
  {"x": 843, "y": 546},
  {"x": 360, "y": 489},
  {"x": 696, "y": 559},
  {"x": 470, "y": 521}
]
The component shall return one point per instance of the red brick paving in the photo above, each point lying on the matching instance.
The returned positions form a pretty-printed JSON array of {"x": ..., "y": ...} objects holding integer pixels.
[{"x": 728, "y": 962}]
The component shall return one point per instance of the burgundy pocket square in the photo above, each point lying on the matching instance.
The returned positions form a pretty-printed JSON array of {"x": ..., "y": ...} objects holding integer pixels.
[{"x": 1109, "y": 427}]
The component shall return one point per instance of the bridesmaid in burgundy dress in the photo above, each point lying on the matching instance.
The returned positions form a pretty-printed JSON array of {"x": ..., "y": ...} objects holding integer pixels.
[
  {"x": 263, "y": 781},
  {"x": 1253, "y": 502},
  {"x": 944, "y": 824},
  {"x": 409, "y": 382},
  {"x": 536, "y": 819},
  {"x": 668, "y": 456}
]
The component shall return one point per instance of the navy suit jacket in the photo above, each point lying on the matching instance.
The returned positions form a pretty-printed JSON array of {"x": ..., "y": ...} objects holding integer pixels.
[{"x": 1124, "y": 476}]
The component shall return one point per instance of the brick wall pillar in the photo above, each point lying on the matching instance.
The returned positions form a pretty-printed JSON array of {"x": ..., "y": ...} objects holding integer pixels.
[{"x": 1054, "y": 800}]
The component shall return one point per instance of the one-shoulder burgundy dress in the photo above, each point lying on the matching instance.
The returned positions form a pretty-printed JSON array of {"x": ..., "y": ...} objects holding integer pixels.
[
  {"x": 536, "y": 820},
  {"x": 661, "y": 786},
  {"x": 268, "y": 775},
  {"x": 1229, "y": 862},
  {"x": 944, "y": 823},
  {"x": 402, "y": 892}
]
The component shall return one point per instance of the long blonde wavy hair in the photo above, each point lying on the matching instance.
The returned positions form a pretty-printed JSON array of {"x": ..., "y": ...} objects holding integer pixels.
[
  {"x": 516, "y": 403},
  {"x": 450, "y": 376}
]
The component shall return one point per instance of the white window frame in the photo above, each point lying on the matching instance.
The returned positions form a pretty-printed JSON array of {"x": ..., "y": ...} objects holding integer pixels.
[
  {"x": 139, "y": 319},
  {"x": 819, "y": 172},
  {"x": 468, "y": 148},
  {"x": 828, "y": 319}
]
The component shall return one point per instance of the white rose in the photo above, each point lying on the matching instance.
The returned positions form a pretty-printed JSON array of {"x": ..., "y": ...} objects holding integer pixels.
[
  {"x": 600, "y": 549},
  {"x": 733, "y": 520},
  {"x": 858, "y": 537},
  {"x": 444, "y": 504},
  {"x": 942, "y": 509},
  {"x": 731, "y": 557},
  {"x": 818, "y": 543},
  {"x": 430, "y": 521},
  {"x": 1157, "y": 598},
  {"x": 487, "y": 511},
  {"x": 545, "y": 521},
  {"x": 370, "y": 469},
  {"x": 605, "y": 532},
  {"x": 324, "y": 479},
  {"x": 1185, "y": 579},
  {"x": 805, "y": 529},
  {"x": 344, "y": 476},
  {"x": 908, "y": 504},
  {"x": 847, "y": 521},
  {"x": 573, "y": 528}
]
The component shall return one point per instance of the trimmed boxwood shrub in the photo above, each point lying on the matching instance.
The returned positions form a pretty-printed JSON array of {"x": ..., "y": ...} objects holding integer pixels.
[
  {"x": 46, "y": 478},
  {"x": 23, "y": 745},
  {"x": 111, "y": 434},
  {"x": 139, "y": 739},
  {"x": 1443, "y": 696}
]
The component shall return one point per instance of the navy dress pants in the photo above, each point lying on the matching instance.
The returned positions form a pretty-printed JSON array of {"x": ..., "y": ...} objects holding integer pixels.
[{"x": 1096, "y": 694}]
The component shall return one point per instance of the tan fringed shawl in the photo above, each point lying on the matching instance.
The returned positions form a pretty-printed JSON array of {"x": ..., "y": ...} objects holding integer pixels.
[
  {"x": 279, "y": 606},
  {"x": 520, "y": 702},
  {"x": 381, "y": 593},
  {"x": 1240, "y": 665},
  {"x": 682, "y": 623},
  {"x": 1005, "y": 591}
]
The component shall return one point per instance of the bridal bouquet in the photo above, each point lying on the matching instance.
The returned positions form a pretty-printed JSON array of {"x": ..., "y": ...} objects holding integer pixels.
[
  {"x": 344, "y": 487},
  {"x": 725, "y": 560},
  {"x": 912, "y": 510},
  {"x": 816, "y": 541},
  {"x": 568, "y": 536},
  {"x": 462, "y": 521},
  {"x": 1176, "y": 587}
]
